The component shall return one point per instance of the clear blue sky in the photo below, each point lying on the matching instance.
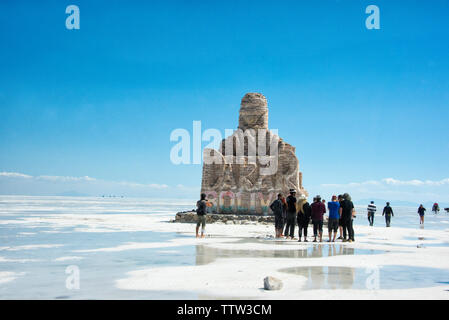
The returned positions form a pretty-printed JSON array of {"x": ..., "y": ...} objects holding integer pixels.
[{"x": 102, "y": 101}]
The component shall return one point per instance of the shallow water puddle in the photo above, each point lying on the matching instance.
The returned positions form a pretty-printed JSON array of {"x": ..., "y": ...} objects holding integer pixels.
[
  {"x": 205, "y": 254},
  {"x": 383, "y": 277}
]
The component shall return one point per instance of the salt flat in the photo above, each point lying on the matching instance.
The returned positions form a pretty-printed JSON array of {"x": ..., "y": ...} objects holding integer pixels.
[{"x": 128, "y": 249}]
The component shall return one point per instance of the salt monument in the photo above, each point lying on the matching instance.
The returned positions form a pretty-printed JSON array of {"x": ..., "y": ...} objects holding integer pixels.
[{"x": 251, "y": 166}]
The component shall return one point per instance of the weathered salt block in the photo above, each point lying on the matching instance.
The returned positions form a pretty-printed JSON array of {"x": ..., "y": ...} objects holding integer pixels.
[{"x": 251, "y": 166}]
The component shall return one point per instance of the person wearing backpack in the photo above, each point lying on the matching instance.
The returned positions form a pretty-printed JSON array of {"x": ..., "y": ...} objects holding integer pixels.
[
  {"x": 201, "y": 212},
  {"x": 278, "y": 208}
]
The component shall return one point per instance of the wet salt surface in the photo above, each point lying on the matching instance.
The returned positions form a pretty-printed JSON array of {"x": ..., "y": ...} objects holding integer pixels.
[
  {"x": 38, "y": 251},
  {"x": 418, "y": 243},
  {"x": 389, "y": 276},
  {"x": 44, "y": 277},
  {"x": 206, "y": 254},
  {"x": 40, "y": 254}
]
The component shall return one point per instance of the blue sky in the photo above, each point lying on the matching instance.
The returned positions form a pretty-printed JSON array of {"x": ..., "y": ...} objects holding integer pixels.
[{"x": 359, "y": 105}]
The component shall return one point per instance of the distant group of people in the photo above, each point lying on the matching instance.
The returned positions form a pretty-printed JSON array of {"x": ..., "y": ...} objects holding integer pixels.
[
  {"x": 387, "y": 212},
  {"x": 289, "y": 211},
  {"x": 422, "y": 211}
]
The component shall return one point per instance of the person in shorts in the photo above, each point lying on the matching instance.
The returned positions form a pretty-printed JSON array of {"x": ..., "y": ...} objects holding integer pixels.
[
  {"x": 421, "y": 212},
  {"x": 334, "y": 216}
]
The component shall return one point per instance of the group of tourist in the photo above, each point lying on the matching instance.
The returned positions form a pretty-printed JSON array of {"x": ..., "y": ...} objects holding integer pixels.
[{"x": 289, "y": 211}]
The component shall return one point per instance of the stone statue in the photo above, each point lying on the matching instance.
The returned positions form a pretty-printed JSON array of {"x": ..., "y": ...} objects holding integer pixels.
[{"x": 251, "y": 166}]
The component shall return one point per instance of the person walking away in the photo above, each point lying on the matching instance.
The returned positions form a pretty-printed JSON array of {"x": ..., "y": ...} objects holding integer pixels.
[
  {"x": 388, "y": 212},
  {"x": 291, "y": 215},
  {"x": 346, "y": 212},
  {"x": 334, "y": 216},
  {"x": 201, "y": 212},
  {"x": 371, "y": 211},
  {"x": 303, "y": 218},
  {"x": 318, "y": 210},
  {"x": 421, "y": 212},
  {"x": 278, "y": 207}
]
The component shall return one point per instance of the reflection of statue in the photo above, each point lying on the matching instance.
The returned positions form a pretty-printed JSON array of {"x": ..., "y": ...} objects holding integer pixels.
[{"x": 253, "y": 164}]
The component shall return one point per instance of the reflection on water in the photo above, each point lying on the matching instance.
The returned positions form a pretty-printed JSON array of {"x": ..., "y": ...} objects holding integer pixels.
[
  {"x": 419, "y": 238},
  {"x": 205, "y": 254},
  {"x": 325, "y": 277},
  {"x": 388, "y": 277}
]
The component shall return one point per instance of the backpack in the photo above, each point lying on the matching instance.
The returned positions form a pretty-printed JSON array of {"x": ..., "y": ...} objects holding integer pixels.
[{"x": 202, "y": 208}]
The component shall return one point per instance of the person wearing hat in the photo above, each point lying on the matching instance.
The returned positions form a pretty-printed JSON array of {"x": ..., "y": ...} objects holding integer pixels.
[
  {"x": 318, "y": 210},
  {"x": 291, "y": 215}
]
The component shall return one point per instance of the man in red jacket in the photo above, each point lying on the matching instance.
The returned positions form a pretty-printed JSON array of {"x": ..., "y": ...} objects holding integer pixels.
[{"x": 318, "y": 210}]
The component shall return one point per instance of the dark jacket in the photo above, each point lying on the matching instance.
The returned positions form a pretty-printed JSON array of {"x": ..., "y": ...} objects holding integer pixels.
[
  {"x": 346, "y": 207},
  {"x": 388, "y": 211},
  {"x": 318, "y": 210},
  {"x": 277, "y": 207},
  {"x": 291, "y": 204},
  {"x": 304, "y": 217}
]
